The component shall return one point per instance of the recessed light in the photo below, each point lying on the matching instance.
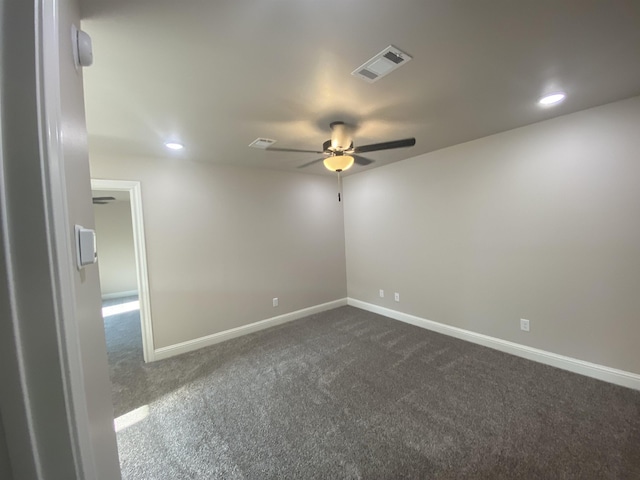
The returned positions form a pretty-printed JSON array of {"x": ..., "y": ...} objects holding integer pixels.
[
  {"x": 174, "y": 145},
  {"x": 552, "y": 99}
]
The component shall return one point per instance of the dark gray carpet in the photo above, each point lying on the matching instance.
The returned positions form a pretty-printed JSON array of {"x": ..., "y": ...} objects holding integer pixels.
[
  {"x": 350, "y": 394},
  {"x": 126, "y": 363}
]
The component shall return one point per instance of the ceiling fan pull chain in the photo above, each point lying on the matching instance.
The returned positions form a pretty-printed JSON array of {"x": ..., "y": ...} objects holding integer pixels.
[{"x": 339, "y": 187}]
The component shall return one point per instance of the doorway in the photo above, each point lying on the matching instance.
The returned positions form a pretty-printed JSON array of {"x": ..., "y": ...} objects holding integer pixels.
[{"x": 131, "y": 279}]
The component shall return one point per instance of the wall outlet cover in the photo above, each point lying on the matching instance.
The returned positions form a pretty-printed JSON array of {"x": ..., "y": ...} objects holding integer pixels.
[{"x": 524, "y": 324}]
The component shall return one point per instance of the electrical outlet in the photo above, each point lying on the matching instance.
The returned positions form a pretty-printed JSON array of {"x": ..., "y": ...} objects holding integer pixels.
[
  {"x": 275, "y": 302},
  {"x": 381, "y": 293},
  {"x": 524, "y": 324},
  {"x": 396, "y": 297}
]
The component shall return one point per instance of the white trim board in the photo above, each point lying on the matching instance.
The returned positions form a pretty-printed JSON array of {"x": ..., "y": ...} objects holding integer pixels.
[
  {"x": 111, "y": 296},
  {"x": 139, "y": 246},
  {"x": 191, "y": 345},
  {"x": 607, "y": 374}
]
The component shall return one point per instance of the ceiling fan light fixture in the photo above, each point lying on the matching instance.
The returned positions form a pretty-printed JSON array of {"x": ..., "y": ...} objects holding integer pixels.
[{"x": 338, "y": 163}]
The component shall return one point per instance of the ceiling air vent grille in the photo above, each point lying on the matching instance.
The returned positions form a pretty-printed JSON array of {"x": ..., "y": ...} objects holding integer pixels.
[
  {"x": 262, "y": 143},
  {"x": 366, "y": 73},
  {"x": 382, "y": 64}
]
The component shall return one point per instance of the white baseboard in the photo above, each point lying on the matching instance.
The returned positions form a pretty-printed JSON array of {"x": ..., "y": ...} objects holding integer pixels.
[
  {"x": 110, "y": 296},
  {"x": 191, "y": 345},
  {"x": 607, "y": 374}
]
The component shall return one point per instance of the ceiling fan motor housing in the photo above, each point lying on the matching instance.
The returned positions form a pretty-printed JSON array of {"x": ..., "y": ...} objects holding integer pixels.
[
  {"x": 327, "y": 147},
  {"x": 340, "y": 136}
]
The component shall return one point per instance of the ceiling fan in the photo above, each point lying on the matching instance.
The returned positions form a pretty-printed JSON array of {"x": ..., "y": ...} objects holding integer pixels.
[
  {"x": 340, "y": 154},
  {"x": 102, "y": 200}
]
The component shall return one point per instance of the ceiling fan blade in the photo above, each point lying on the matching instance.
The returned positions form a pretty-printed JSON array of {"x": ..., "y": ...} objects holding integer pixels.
[
  {"x": 311, "y": 162},
  {"x": 406, "y": 142},
  {"x": 104, "y": 198},
  {"x": 361, "y": 160},
  {"x": 291, "y": 150}
]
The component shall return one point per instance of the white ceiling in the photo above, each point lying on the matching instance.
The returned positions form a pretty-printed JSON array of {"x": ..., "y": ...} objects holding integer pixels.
[{"x": 218, "y": 74}]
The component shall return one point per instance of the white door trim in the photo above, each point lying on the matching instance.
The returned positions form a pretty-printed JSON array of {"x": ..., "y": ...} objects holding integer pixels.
[
  {"x": 135, "y": 194},
  {"x": 50, "y": 119}
]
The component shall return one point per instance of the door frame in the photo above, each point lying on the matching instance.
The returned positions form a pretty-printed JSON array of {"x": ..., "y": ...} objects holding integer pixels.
[{"x": 135, "y": 195}]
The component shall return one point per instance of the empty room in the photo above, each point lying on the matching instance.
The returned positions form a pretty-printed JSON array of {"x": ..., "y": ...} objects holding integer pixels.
[{"x": 372, "y": 239}]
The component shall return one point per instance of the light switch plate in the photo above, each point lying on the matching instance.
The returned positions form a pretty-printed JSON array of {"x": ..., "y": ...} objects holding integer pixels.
[{"x": 85, "y": 246}]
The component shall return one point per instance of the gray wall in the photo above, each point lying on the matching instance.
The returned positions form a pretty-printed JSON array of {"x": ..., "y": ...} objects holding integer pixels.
[
  {"x": 5, "y": 461},
  {"x": 223, "y": 241},
  {"x": 116, "y": 254},
  {"x": 541, "y": 222}
]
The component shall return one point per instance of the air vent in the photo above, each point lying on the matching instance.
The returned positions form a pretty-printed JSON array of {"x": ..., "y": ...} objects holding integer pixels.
[
  {"x": 381, "y": 65},
  {"x": 262, "y": 143}
]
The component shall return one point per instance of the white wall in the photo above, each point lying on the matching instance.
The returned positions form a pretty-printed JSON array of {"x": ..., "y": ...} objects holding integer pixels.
[
  {"x": 223, "y": 241},
  {"x": 541, "y": 222},
  {"x": 88, "y": 303},
  {"x": 116, "y": 254}
]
